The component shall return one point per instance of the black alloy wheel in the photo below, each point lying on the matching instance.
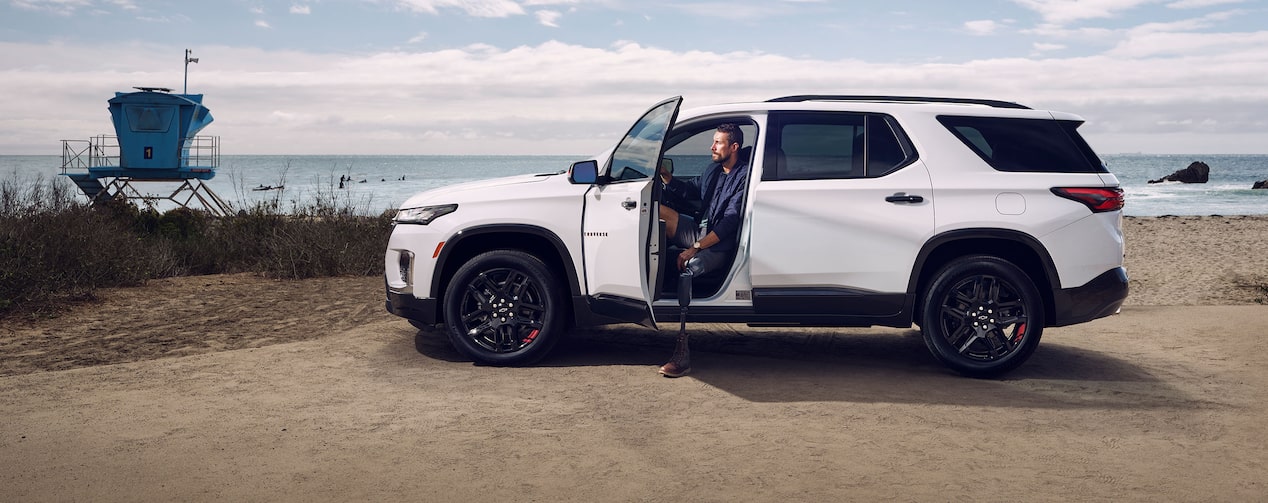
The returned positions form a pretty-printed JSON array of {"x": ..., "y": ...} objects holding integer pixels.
[
  {"x": 982, "y": 316},
  {"x": 504, "y": 307}
]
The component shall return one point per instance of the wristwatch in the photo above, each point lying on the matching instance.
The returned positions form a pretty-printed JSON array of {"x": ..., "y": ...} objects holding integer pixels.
[{"x": 696, "y": 245}]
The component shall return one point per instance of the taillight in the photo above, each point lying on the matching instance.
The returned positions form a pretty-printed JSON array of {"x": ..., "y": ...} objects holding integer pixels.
[{"x": 1097, "y": 199}]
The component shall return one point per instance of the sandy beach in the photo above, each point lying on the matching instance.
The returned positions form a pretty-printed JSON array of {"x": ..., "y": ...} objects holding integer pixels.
[{"x": 236, "y": 387}]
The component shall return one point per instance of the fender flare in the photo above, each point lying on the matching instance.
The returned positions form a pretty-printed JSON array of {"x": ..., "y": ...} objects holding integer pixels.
[
  {"x": 1049, "y": 268},
  {"x": 455, "y": 241}
]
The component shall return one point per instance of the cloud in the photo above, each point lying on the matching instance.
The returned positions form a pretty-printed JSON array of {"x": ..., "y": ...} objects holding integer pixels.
[
  {"x": 1080, "y": 34},
  {"x": 301, "y": 9},
  {"x": 981, "y": 27},
  {"x": 1067, "y": 11},
  {"x": 477, "y": 8},
  {"x": 1184, "y": 25},
  {"x": 734, "y": 11},
  {"x": 1199, "y": 91},
  {"x": 1193, "y": 4},
  {"x": 1220, "y": 47},
  {"x": 164, "y": 19},
  {"x": 60, "y": 7},
  {"x": 422, "y": 35},
  {"x": 1046, "y": 47},
  {"x": 1182, "y": 38},
  {"x": 262, "y": 23},
  {"x": 548, "y": 18},
  {"x": 1176, "y": 37}
]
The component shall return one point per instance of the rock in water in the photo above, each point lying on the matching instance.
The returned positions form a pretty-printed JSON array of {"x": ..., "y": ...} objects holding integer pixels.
[
  {"x": 1197, "y": 172},
  {"x": 1262, "y": 184}
]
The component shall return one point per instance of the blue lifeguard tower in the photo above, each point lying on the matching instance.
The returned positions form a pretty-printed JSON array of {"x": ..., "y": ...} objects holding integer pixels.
[{"x": 155, "y": 140}]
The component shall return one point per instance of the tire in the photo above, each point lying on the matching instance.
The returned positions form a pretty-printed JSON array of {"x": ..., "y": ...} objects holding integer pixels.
[
  {"x": 504, "y": 308},
  {"x": 982, "y": 316}
]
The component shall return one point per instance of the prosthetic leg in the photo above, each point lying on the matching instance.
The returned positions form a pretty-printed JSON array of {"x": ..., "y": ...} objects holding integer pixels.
[{"x": 680, "y": 363}]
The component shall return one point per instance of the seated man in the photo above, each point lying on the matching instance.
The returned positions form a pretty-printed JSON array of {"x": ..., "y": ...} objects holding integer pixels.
[{"x": 709, "y": 243}]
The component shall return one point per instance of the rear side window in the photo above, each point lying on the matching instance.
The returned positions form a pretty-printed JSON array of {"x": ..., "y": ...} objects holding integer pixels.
[
  {"x": 1026, "y": 145},
  {"x": 813, "y": 151}
]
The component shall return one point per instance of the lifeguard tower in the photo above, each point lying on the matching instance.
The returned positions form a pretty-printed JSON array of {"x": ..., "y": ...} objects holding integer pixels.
[{"x": 154, "y": 143}]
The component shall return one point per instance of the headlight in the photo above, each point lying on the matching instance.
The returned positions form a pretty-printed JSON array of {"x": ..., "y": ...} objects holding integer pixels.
[{"x": 424, "y": 215}]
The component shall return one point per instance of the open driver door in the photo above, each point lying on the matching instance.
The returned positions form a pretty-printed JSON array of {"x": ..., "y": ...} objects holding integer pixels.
[{"x": 621, "y": 225}]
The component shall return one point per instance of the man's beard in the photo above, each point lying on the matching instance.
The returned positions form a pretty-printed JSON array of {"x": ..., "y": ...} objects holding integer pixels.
[{"x": 719, "y": 157}]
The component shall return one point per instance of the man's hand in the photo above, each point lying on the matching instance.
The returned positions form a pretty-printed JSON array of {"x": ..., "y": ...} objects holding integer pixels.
[{"x": 685, "y": 256}]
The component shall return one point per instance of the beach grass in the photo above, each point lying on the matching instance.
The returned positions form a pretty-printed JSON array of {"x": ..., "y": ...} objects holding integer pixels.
[{"x": 57, "y": 249}]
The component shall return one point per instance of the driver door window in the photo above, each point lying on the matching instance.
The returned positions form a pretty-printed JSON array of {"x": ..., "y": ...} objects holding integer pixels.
[{"x": 691, "y": 156}]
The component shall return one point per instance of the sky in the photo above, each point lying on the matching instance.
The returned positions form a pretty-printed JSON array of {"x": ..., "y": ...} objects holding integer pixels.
[{"x": 567, "y": 77}]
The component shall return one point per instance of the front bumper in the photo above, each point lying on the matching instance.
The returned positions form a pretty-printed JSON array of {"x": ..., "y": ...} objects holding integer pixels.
[
  {"x": 407, "y": 306},
  {"x": 1098, "y": 298}
]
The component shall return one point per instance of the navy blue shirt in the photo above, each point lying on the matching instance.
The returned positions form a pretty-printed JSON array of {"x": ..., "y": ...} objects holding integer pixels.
[{"x": 723, "y": 196}]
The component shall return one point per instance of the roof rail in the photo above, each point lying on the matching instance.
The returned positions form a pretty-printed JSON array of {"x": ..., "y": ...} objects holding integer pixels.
[{"x": 917, "y": 99}]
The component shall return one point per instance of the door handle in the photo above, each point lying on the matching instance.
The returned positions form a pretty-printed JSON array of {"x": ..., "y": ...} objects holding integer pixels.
[
  {"x": 902, "y": 197},
  {"x": 629, "y": 204}
]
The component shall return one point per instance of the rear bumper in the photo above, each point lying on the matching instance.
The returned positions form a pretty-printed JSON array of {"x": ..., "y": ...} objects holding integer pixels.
[
  {"x": 413, "y": 308},
  {"x": 1098, "y": 298}
]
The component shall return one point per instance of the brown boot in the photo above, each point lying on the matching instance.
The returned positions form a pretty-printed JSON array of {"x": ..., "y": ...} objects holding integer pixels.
[{"x": 680, "y": 364}]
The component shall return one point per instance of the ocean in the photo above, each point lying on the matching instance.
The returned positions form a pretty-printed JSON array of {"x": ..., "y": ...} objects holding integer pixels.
[
  {"x": 375, "y": 183},
  {"x": 1228, "y": 192},
  {"x": 370, "y": 183}
]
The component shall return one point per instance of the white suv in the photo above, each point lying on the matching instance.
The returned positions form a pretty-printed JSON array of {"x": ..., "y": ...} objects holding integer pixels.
[{"x": 981, "y": 221}]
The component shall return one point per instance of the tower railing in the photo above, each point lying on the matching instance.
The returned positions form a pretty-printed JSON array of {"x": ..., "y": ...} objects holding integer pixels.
[
  {"x": 103, "y": 151},
  {"x": 201, "y": 151}
]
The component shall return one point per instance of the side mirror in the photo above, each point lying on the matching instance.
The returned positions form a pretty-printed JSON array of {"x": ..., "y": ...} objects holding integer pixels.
[
  {"x": 584, "y": 172},
  {"x": 667, "y": 165}
]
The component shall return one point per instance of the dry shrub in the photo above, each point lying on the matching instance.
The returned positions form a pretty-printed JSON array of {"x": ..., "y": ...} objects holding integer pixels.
[{"x": 55, "y": 248}]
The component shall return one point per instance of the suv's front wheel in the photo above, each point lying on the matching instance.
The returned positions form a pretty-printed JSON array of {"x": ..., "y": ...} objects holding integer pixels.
[
  {"x": 503, "y": 307},
  {"x": 982, "y": 316}
]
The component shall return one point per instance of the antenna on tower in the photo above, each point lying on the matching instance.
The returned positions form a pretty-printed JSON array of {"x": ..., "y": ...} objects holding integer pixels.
[{"x": 188, "y": 60}]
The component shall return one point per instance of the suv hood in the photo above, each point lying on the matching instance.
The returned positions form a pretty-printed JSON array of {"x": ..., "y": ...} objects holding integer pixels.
[{"x": 468, "y": 190}]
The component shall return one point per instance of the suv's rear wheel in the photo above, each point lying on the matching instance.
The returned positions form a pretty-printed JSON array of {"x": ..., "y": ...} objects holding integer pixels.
[
  {"x": 982, "y": 316},
  {"x": 503, "y": 307}
]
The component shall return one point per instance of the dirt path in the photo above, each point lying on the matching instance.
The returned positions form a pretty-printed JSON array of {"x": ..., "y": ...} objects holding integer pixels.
[
  {"x": 1154, "y": 404},
  {"x": 190, "y": 315}
]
